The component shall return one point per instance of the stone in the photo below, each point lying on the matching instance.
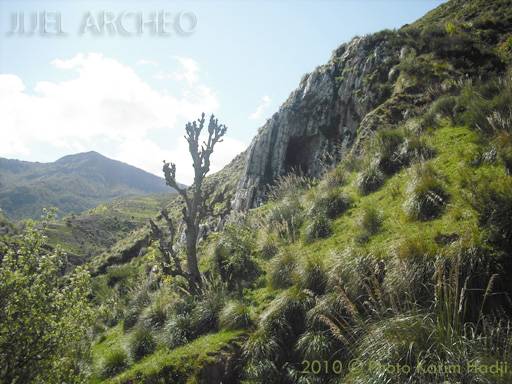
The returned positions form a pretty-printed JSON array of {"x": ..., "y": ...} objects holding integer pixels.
[{"x": 321, "y": 116}]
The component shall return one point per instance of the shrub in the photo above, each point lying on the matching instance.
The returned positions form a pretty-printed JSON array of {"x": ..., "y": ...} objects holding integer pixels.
[
  {"x": 290, "y": 185},
  {"x": 312, "y": 275},
  {"x": 331, "y": 204},
  {"x": 178, "y": 330},
  {"x": 269, "y": 248},
  {"x": 281, "y": 271},
  {"x": 426, "y": 196},
  {"x": 115, "y": 362},
  {"x": 387, "y": 144},
  {"x": 142, "y": 343},
  {"x": 369, "y": 179},
  {"x": 156, "y": 314},
  {"x": 369, "y": 223},
  {"x": 318, "y": 228},
  {"x": 119, "y": 274},
  {"x": 286, "y": 218},
  {"x": 233, "y": 257},
  {"x": 235, "y": 315},
  {"x": 205, "y": 314},
  {"x": 131, "y": 317},
  {"x": 415, "y": 148},
  {"x": 492, "y": 199},
  {"x": 336, "y": 177}
]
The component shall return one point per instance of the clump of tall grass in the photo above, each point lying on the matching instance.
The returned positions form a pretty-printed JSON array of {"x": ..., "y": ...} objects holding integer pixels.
[
  {"x": 369, "y": 179},
  {"x": 291, "y": 184},
  {"x": 235, "y": 315},
  {"x": 387, "y": 143},
  {"x": 492, "y": 199},
  {"x": 156, "y": 314},
  {"x": 369, "y": 223},
  {"x": 282, "y": 270},
  {"x": 268, "y": 246},
  {"x": 426, "y": 195},
  {"x": 312, "y": 274},
  {"x": 178, "y": 330},
  {"x": 318, "y": 228},
  {"x": 331, "y": 203},
  {"x": 141, "y": 343},
  {"x": 114, "y": 362},
  {"x": 285, "y": 218}
]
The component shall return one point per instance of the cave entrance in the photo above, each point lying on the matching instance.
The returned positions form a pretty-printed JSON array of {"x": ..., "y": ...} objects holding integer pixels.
[{"x": 300, "y": 154}]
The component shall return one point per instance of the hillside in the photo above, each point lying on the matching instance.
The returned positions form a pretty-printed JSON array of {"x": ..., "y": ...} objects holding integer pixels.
[
  {"x": 372, "y": 224},
  {"x": 364, "y": 236},
  {"x": 73, "y": 184},
  {"x": 96, "y": 230}
]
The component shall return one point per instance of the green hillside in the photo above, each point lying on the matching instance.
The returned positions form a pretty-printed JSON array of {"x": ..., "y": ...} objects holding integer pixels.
[
  {"x": 96, "y": 230},
  {"x": 72, "y": 184},
  {"x": 396, "y": 256},
  {"x": 392, "y": 265}
]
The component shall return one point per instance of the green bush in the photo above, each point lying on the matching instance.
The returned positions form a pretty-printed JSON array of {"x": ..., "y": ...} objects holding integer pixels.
[
  {"x": 235, "y": 315},
  {"x": 369, "y": 179},
  {"x": 141, "y": 343},
  {"x": 282, "y": 269},
  {"x": 369, "y": 223},
  {"x": 318, "y": 228},
  {"x": 156, "y": 313},
  {"x": 492, "y": 199},
  {"x": 336, "y": 177},
  {"x": 311, "y": 275},
  {"x": 331, "y": 204},
  {"x": 234, "y": 257},
  {"x": 285, "y": 218},
  {"x": 387, "y": 144},
  {"x": 178, "y": 330},
  {"x": 115, "y": 362},
  {"x": 426, "y": 196},
  {"x": 269, "y": 248},
  {"x": 131, "y": 317},
  {"x": 118, "y": 274},
  {"x": 205, "y": 314}
]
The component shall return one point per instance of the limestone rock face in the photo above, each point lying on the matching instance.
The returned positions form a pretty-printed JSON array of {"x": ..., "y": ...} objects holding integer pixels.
[{"x": 322, "y": 116}]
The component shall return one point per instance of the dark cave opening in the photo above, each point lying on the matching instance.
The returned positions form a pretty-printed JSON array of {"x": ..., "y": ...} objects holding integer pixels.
[{"x": 300, "y": 154}]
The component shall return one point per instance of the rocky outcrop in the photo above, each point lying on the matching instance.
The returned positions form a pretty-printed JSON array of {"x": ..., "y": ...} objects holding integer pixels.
[{"x": 322, "y": 116}]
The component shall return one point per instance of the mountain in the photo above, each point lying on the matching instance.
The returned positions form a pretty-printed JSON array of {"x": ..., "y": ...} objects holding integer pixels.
[
  {"x": 385, "y": 239},
  {"x": 73, "y": 184},
  {"x": 373, "y": 82}
]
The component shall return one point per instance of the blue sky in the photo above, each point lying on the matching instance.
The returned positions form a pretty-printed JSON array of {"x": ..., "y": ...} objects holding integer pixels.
[{"x": 128, "y": 97}]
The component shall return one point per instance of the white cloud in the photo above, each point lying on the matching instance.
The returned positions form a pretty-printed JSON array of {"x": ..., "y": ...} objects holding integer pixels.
[
  {"x": 147, "y": 62},
  {"x": 188, "y": 72},
  {"x": 261, "y": 108},
  {"x": 106, "y": 102}
]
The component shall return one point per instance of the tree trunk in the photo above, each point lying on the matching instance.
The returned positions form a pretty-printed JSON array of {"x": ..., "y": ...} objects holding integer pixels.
[{"x": 193, "y": 269}]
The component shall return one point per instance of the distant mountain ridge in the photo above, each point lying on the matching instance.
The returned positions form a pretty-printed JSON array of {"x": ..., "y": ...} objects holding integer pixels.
[{"x": 73, "y": 184}]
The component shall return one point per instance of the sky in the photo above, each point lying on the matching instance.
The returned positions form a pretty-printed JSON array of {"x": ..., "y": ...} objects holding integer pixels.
[{"x": 123, "y": 77}]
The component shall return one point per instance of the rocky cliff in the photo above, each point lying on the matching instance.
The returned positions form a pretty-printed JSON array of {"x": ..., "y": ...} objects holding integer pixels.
[
  {"x": 321, "y": 116},
  {"x": 371, "y": 82}
]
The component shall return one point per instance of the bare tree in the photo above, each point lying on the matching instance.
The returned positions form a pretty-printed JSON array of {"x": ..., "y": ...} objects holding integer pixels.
[
  {"x": 170, "y": 262},
  {"x": 196, "y": 207}
]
